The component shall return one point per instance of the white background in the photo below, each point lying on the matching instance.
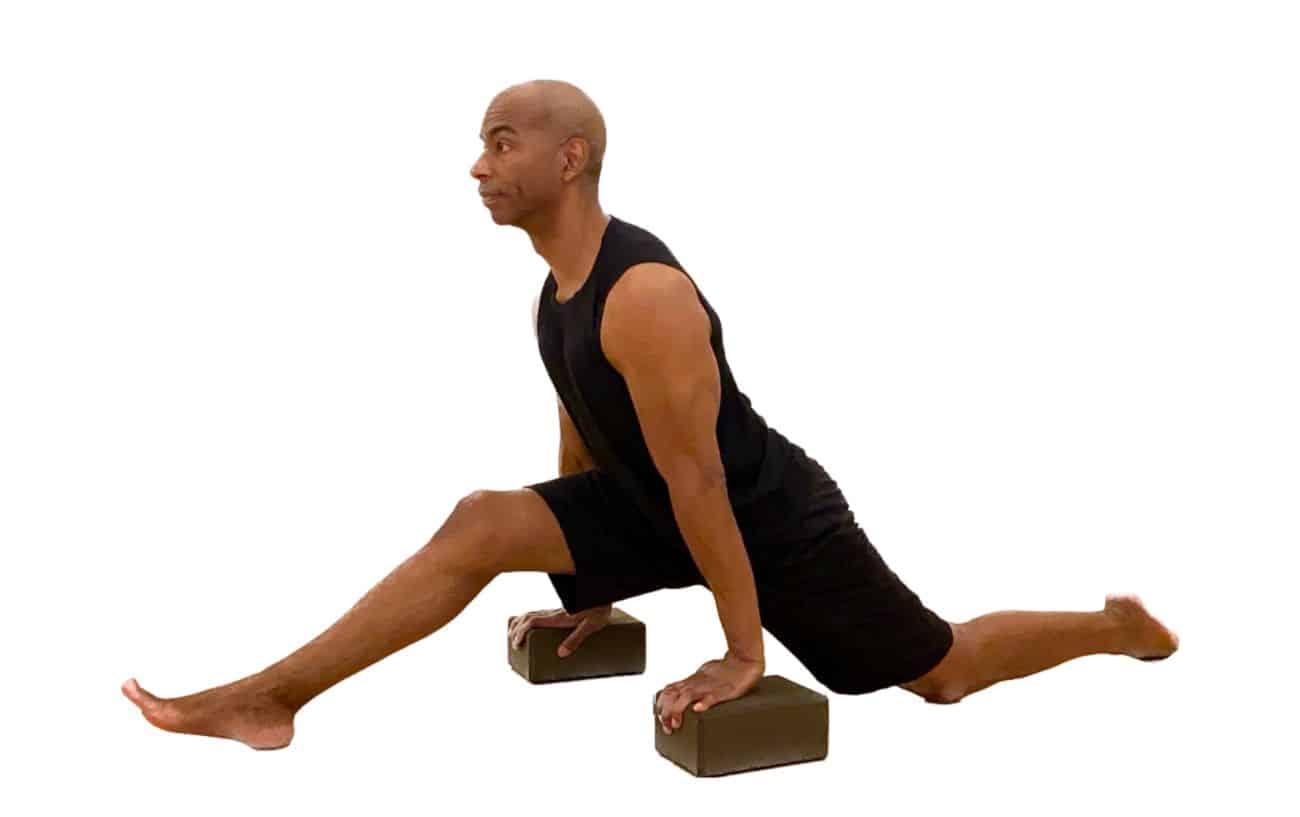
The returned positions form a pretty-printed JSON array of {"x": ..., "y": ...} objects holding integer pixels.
[{"x": 1018, "y": 274}]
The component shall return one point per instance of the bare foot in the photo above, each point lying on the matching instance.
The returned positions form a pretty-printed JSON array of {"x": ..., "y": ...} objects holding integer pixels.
[
  {"x": 1149, "y": 639},
  {"x": 234, "y": 711}
]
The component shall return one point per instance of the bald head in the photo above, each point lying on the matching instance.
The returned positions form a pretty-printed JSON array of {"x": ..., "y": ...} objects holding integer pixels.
[
  {"x": 543, "y": 147},
  {"x": 560, "y": 111}
]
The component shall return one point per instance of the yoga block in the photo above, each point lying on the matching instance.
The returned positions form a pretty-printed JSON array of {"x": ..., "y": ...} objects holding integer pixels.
[
  {"x": 618, "y": 649},
  {"x": 776, "y": 723}
]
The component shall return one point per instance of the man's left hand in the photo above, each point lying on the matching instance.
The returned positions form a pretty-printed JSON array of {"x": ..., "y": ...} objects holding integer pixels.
[{"x": 714, "y": 682}]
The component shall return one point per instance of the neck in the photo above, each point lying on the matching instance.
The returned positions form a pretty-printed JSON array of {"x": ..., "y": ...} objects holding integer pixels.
[{"x": 569, "y": 242}]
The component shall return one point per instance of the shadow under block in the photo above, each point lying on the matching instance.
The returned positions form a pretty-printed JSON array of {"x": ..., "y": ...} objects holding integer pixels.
[
  {"x": 618, "y": 649},
  {"x": 778, "y": 722}
]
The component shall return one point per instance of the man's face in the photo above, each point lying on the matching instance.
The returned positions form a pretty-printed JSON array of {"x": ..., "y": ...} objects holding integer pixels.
[{"x": 518, "y": 169}]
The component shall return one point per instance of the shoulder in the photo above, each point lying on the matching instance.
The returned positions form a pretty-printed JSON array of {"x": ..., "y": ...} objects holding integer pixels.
[
  {"x": 651, "y": 280},
  {"x": 653, "y": 292},
  {"x": 649, "y": 304}
]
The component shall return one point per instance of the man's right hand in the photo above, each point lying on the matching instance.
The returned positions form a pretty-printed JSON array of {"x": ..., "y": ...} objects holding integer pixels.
[{"x": 583, "y": 622}]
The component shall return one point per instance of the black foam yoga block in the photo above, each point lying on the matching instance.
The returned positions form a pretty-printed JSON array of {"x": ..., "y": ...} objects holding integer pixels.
[
  {"x": 617, "y": 649},
  {"x": 776, "y": 723}
]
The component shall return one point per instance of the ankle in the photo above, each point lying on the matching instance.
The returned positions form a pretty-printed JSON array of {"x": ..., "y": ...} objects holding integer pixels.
[
  {"x": 1115, "y": 635},
  {"x": 290, "y": 698},
  {"x": 282, "y": 691}
]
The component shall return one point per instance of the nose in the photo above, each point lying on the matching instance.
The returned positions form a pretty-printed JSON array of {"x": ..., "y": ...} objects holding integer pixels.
[{"x": 476, "y": 169}]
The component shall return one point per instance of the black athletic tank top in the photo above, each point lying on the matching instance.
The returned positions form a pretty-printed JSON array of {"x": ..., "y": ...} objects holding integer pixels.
[{"x": 596, "y": 396}]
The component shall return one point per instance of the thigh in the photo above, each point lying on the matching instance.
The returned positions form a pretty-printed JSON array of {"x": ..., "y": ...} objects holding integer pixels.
[
  {"x": 827, "y": 595},
  {"x": 618, "y": 549},
  {"x": 502, "y": 531},
  {"x": 849, "y": 618}
]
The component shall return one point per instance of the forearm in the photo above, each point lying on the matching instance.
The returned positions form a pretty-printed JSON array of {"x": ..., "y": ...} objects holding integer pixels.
[{"x": 708, "y": 524}]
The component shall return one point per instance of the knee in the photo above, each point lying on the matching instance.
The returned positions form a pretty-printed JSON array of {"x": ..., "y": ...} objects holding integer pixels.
[
  {"x": 935, "y": 691},
  {"x": 947, "y": 681},
  {"x": 945, "y": 695},
  {"x": 466, "y": 537},
  {"x": 474, "y": 504}
]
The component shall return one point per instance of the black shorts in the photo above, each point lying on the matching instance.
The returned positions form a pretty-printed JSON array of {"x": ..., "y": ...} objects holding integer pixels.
[{"x": 823, "y": 590}]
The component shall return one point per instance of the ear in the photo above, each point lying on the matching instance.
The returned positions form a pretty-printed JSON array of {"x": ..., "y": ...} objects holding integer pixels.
[{"x": 576, "y": 153}]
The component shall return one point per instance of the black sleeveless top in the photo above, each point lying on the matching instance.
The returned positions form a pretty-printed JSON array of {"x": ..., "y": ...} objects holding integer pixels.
[{"x": 596, "y": 397}]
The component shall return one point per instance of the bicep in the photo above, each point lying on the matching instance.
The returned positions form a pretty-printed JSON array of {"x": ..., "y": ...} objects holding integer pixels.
[
  {"x": 660, "y": 341},
  {"x": 677, "y": 406}
]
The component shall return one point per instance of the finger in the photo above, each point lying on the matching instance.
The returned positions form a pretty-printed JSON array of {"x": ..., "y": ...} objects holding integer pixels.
[
  {"x": 673, "y": 705},
  {"x": 553, "y": 620},
  {"x": 680, "y": 703},
  {"x": 575, "y": 638},
  {"x": 703, "y": 704},
  {"x": 538, "y": 618},
  {"x": 521, "y": 628},
  {"x": 513, "y": 624},
  {"x": 661, "y": 707},
  {"x": 697, "y": 699},
  {"x": 670, "y": 694}
]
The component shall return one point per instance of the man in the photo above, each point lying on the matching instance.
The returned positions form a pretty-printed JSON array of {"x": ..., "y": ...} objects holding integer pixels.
[{"x": 669, "y": 478}]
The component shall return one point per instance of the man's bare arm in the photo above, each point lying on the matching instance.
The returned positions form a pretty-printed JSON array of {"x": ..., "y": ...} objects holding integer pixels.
[{"x": 656, "y": 333}]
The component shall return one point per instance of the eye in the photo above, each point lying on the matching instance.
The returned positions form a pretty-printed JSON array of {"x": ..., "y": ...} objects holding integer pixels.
[{"x": 500, "y": 143}]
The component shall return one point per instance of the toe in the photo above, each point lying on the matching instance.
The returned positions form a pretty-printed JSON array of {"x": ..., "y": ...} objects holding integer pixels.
[
  {"x": 139, "y": 695},
  {"x": 132, "y": 690}
]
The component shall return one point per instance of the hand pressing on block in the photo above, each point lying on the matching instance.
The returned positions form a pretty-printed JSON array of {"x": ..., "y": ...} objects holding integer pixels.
[
  {"x": 544, "y": 645},
  {"x": 776, "y": 723},
  {"x": 582, "y": 623}
]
